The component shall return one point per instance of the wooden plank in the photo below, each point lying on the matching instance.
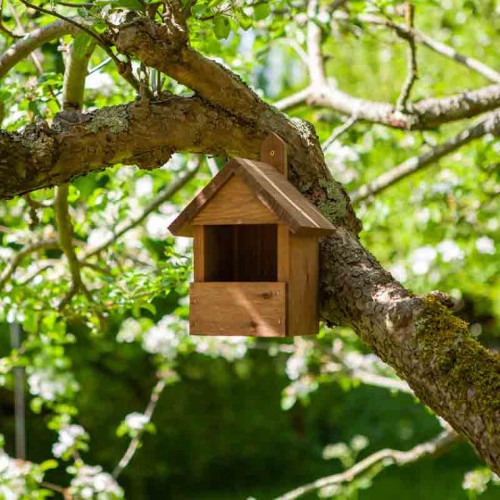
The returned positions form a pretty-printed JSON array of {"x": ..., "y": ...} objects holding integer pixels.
[
  {"x": 303, "y": 286},
  {"x": 236, "y": 308},
  {"x": 274, "y": 151},
  {"x": 283, "y": 257},
  {"x": 199, "y": 253},
  {"x": 235, "y": 203}
]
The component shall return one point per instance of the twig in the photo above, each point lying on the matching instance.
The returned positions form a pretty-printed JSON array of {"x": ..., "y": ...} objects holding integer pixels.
[
  {"x": 338, "y": 131},
  {"x": 40, "y": 245},
  {"x": 134, "y": 443},
  {"x": 161, "y": 198},
  {"x": 412, "y": 70},
  {"x": 3, "y": 28},
  {"x": 293, "y": 100},
  {"x": 489, "y": 124},
  {"x": 434, "y": 45},
  {"x": 314, "y": 54},
  {"x": 384, "y": 458},
  {"x": 77, "y": 5},
  {"x": 124, "y": 68},
  {"x": 65, "y": 233}
]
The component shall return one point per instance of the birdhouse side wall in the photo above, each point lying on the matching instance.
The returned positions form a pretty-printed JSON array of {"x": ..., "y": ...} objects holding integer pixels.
[{"x": 303, "y": 284}]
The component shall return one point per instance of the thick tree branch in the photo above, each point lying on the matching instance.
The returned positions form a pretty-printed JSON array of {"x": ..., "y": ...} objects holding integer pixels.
[
  {"x": 426, "y": 114},
  {"x": 384, "y": 458},
  {"x": 490, "y": 124}
]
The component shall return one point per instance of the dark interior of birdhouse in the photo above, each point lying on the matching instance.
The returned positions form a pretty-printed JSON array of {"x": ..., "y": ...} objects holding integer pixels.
[{"x": 246, "y": 252}]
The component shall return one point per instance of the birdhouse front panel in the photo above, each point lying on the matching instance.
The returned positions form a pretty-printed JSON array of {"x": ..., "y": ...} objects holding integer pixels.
[{"x": 256, "y": 241}]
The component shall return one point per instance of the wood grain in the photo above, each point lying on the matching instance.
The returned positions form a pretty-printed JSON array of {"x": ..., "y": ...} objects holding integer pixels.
[
  {"x": 235, "y": 203},
  {"x": 274, "y": 152},
  {"x": 235, "y": 308},
  {"x": 283, "y": 271},
  {"x": 303, "y": 286},
  {"x": 199, "y": 253},
  {"x": 268, "y": 186}
]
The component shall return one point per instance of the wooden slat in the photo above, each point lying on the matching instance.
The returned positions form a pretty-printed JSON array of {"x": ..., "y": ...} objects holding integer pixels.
[
  {"x": 274, "y": 152},
  {"x": 236, "y": 308},
  {"x": 283, "y": 252},
  {"x": 199, "y": 253},
  {"x": 235, "y": 203},
  {"x": 303, "y": 286}
]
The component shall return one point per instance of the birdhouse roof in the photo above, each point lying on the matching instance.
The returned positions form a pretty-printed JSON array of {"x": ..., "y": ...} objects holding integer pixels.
[{"x": 270, "y": 187}]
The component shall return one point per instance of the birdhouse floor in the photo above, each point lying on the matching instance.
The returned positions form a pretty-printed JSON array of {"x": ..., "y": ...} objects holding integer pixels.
[{"x": 238, "y": 308}]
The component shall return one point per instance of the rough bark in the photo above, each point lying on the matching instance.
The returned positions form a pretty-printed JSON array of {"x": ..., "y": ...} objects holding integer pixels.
[{"x": 426, "y": 344}]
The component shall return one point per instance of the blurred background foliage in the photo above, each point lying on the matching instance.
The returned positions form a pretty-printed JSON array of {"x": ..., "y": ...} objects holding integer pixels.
[{"x": 242, "y": 418}]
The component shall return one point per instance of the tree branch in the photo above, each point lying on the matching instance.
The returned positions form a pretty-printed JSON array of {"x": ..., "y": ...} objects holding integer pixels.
[
  {"x": 73, "y": 89},
  {"x": 384, "y": 458},
  {"x": 490, "y": 124},
  {"x": 135, "y": 442},
  {"x": 412, "y": 74},
  {"x": 434, "y": 45},
  {"x": 35, "y": 39},
  {"x": 27, "y": 250}
]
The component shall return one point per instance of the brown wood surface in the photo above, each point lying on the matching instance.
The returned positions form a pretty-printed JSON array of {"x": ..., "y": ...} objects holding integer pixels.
[
  {"x": 274, "y": 152},
  {"x": 289, "y": 205},
  {"x": 270, "y": 187},
  {"x": 303, "y": 286},
  {"x": 234, "y": 308},
  {"x": 235, "y": 203},
  {"x": 283, "y": 263},
  {"x": 199, "y": 253}
]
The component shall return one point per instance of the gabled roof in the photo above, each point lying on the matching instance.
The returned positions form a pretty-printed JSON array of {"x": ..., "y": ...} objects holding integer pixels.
[{"x": 271, "y": 188}]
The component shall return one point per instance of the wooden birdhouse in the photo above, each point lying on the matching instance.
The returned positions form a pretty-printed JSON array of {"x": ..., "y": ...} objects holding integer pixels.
[{"x": 255, "y": 250}]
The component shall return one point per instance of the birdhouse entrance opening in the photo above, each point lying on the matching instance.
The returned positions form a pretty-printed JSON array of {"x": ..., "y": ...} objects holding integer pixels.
[{"x": 241, "y": 252}]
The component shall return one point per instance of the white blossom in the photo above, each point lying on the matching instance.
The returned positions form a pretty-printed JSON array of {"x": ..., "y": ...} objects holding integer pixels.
[
  {"x": 92, "y": 482},
  {"x": 68, "y": 437},
  {"x": 164, "y": 338},
  {"x": 296, "y": 366},
  {"x": 450, "y": 251},
  {"x": 485, "y": 245},
  {"x": 422, "y": 258},
  {"x": 230, "y": 348},
  {"x": 48, "y": 383},
  {"x": 399, "y": 272},
  {"x": 12, "y": 477},
  {"x": 157, "y": 226},
  {"x": 144, "y": 186},
  {"x": 136, "y": 421},
  {"x": 130, "y": 330}
]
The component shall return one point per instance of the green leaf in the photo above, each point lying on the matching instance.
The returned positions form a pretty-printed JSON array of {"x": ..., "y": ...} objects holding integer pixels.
[
  {"x": 222, "y": 27},
  {"x": 261, "y": 11}
]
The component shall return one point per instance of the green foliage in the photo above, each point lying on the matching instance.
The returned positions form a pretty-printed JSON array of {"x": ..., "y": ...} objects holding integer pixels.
[{"x": 218, "y": 430}]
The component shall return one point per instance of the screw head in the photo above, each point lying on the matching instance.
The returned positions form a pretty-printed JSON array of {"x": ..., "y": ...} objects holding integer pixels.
[{"x": 271, "y": 153}]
